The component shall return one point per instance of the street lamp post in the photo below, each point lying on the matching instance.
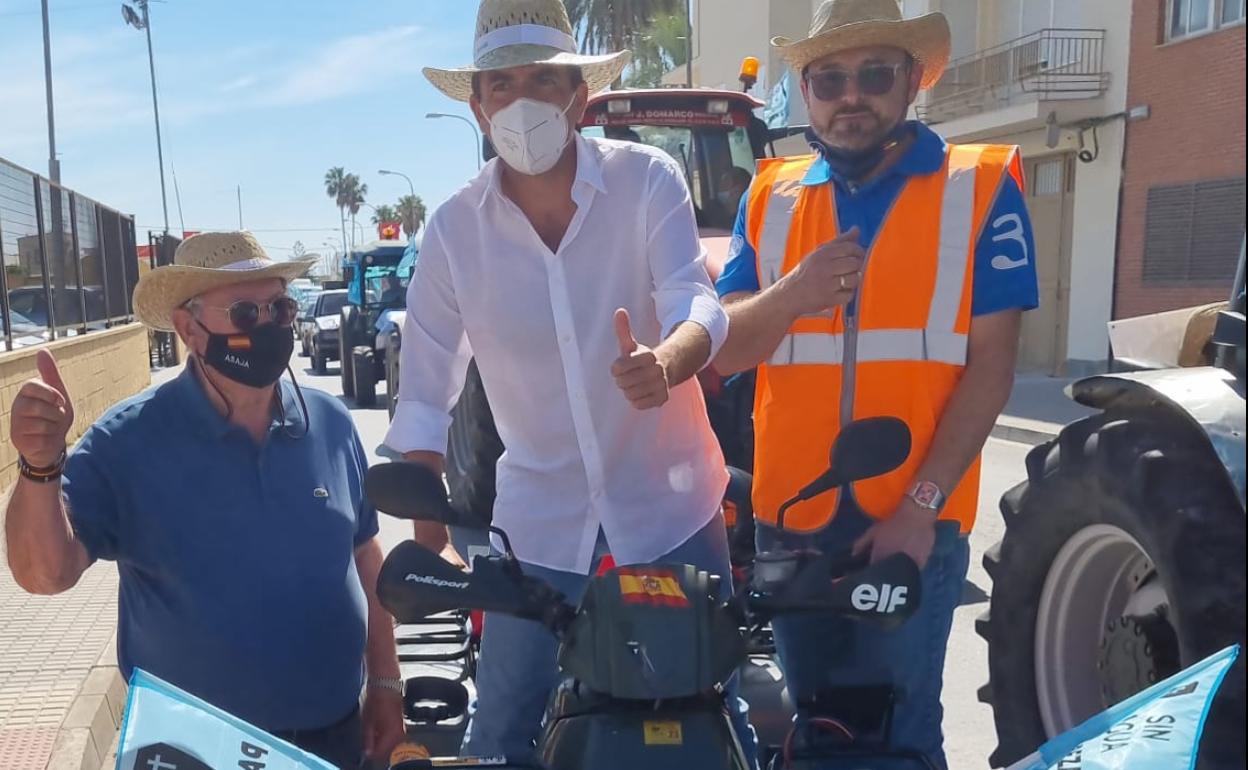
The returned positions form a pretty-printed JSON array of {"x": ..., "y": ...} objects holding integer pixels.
[
  {"x": 689, "y": 43},
  {"x": 411, "y": 186},
  {"x": 144, "y": 23},
  {"x": 475, "y": 131},
  {"x": 54, "y": 165}
]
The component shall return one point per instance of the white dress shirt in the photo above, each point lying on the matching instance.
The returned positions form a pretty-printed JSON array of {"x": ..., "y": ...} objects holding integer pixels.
[{"x": 578, "y": 456}]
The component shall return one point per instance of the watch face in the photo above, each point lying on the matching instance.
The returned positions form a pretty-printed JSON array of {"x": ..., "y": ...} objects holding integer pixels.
[{"x": 926, "y": 494}]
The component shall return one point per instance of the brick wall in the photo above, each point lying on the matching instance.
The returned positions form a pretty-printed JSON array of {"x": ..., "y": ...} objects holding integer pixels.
[
  {"x": 100, "y": 369},
  {"x": 1195, "y": 91}
]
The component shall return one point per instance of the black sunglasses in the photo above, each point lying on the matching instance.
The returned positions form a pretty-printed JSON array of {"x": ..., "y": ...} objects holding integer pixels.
[
  {"x": 246, "y": 315},
  {"x": 872, "y": 79}
]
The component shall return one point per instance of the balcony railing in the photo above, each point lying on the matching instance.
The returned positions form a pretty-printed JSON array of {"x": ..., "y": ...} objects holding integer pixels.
[{"x": 1051, "y": 64}]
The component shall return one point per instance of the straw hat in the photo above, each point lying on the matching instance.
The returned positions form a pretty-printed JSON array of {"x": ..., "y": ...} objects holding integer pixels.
[
  {"x": 841, "y": 25},
  {"x": 203, "y": 263},
  {"x": 515, "y": 33}
]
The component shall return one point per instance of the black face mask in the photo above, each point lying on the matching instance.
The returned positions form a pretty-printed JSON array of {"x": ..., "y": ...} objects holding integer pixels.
[
  {"x": 855, "y": 165},
  {"x": 255, "y": 359}
]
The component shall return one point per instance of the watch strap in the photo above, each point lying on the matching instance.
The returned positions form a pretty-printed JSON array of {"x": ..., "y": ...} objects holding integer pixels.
[{"x": 395, "y": 685}]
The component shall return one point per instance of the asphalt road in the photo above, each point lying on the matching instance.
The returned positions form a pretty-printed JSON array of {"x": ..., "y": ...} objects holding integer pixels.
[{"x": 970, "y": 734}]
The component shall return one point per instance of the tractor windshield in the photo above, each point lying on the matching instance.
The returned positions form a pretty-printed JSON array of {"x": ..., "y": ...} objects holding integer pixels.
[
  {"x": 718, "y": 163},
  {"x": 383, "y": 286}
]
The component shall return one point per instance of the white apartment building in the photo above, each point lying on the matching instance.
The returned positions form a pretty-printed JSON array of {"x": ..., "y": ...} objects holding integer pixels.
[{"x": 1048, "y": 75}]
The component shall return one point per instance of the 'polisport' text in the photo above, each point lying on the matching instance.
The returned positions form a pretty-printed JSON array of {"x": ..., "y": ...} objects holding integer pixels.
[{"x": 429, "y": 580}]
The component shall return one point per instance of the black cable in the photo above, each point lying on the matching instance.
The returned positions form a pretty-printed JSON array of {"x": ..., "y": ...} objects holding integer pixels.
[{"x": 303, "y": 405}]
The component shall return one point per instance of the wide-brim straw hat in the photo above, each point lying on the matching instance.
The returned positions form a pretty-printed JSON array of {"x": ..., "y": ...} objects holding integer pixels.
[
  {"x": 842, "y": 25},
  {"x": 517, "y": 33},
  {"x": 202, "y": 263}
]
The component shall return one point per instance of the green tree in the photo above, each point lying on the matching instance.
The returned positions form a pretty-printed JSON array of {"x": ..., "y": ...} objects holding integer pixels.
[
  {"x": 613, "y": 25},
  {"x": 335, "y": 186},
  {"x": 353, "y": 195},
  {"x": 385, "y": 213},
  {"x": 411, "y": 212},
  {"x": 661, "y": 47}
]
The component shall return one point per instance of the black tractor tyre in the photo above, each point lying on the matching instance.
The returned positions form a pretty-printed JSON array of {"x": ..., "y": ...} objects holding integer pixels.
[
  {"x": 473, "y": 452},
  {"x": 345, "y": 346},
  {"x": 318, "y": 360},
  {"x": 362, "y": 375},
  {"x": 393, "y": 346},
  {"x": 1155, "y": 481}
]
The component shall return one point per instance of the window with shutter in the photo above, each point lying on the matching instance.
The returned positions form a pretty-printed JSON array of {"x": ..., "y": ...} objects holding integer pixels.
[{"x": 1192, "y": 232}]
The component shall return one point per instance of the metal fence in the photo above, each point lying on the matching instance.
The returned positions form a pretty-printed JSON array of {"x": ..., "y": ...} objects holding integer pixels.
[
  {"x": 1050, "y": 64},
  {"x": 70, "y": 263}
]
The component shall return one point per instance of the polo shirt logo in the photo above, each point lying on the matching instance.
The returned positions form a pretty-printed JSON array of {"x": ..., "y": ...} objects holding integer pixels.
[{"x": 321, "y": 493}]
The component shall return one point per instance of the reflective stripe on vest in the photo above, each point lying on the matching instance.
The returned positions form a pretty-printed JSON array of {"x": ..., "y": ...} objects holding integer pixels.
[
  {"x": 775, "y": 236},
  {"x": 873, "y": 345}
]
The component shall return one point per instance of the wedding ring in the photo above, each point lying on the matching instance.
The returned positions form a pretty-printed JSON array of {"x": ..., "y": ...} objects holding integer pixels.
[{"x": 843, "y": 286}]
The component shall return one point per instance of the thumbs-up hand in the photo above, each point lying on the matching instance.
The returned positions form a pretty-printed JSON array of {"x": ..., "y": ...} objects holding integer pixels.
[
  {"x": 638, "y": 372},
  {"x": 42, "y": 415}
]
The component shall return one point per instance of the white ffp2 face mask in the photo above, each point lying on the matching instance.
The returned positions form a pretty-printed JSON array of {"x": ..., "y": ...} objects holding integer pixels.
[{"x": 530, "y": 135}]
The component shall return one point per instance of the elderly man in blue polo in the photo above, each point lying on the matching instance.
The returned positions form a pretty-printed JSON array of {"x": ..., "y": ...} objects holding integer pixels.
[{"x": 233, "y": 505}]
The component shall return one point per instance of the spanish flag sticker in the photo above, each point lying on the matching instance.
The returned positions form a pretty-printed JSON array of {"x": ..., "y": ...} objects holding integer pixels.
[
  {"x": 651, "y": 586},
  {"x": 663, "y": 734},
  {"x": 238, "y": 342}
]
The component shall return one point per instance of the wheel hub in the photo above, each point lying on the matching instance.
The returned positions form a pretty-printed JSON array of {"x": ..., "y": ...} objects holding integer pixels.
[
  {"x": 1136, "y": 652},
  {"x": 1086, "y": 655}
]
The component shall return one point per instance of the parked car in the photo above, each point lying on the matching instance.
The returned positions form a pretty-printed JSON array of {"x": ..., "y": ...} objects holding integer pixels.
[
  {"x": 32, "y": 302},
  {"x": 307, "y": 301},
  {"x": 320, "y": 328}
]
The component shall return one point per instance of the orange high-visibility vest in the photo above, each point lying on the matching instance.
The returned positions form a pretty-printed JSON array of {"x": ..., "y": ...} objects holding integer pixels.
[{"x": 902, "y": 353}]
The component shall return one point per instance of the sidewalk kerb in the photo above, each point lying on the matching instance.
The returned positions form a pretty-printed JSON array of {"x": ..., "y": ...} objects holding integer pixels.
[{"x": 90, "y": 729}]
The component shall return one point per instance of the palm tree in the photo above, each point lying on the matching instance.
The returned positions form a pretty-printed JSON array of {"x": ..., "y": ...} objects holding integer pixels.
[
  {"x": 385, "y": 213},
  {"x": 661, "y": 48},
  {"x": 612, "y": 25},
  {"x": 353, "y": 195},
  {"x": 411, "y": 213},
  {"x": 335, "y": 185}
]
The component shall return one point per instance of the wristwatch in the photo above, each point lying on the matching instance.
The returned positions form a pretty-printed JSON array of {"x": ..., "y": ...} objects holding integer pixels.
[
  {"x": 928, "y": 496},
  {"x": 384, "y": 683}
]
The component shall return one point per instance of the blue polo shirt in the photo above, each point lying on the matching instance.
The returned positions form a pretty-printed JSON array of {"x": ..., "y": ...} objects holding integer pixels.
[
  {"x": 1005, "y": 268},
  {"x": 238, "y": 578}
]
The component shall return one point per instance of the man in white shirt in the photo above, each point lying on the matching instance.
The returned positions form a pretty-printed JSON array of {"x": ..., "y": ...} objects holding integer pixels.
[{"x": 571, "y": 269}]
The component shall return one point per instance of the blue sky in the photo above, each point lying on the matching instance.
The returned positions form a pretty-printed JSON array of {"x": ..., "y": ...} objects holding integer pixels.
[{"x": 265, "y": 94}]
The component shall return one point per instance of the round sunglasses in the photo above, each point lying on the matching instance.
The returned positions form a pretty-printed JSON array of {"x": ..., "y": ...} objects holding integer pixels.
[
  {"x": 872, "y": 80},
  {"x": 246, "y": 315}
]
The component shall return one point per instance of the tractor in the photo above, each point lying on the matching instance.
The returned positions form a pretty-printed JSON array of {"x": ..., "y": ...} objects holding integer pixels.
[
  {"x": 1123, "y": 556},
  {"x": 376, "y": 278}
]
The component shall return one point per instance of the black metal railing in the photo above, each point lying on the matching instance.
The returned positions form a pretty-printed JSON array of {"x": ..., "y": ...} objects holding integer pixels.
[
  {"x": 69, "y": 263},
  {"x": 1051, "y": 64}
]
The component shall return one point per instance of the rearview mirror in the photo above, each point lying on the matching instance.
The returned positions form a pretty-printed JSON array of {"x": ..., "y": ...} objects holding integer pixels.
[
  {"x": 864, "y": 449},
  {"x": 410, "y": 491},
  {"x": 869, "y": 447}
]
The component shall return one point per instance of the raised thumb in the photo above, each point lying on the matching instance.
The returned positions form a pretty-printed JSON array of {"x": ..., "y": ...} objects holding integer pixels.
[
  {"x": 852, "y": 235},
  {"x": 624, "y": 332},
  {"x": 51, "y": 374}
]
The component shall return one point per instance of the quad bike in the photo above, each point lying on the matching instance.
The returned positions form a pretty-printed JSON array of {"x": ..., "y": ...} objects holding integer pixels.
[
  {"x": 647, "y": 652},
  {"x": 1123, "y": 556}
]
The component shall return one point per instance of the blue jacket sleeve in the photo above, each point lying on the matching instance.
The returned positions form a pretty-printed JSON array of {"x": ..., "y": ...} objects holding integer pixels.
[
  {"x": 1005, "y": 257},
  {"x": 741, "y": 268}
]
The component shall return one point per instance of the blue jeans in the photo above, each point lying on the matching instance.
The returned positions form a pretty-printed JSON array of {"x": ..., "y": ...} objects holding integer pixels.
[
  {"x": 517, "y": 669},
  {"x": 822, "y": 650}
]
